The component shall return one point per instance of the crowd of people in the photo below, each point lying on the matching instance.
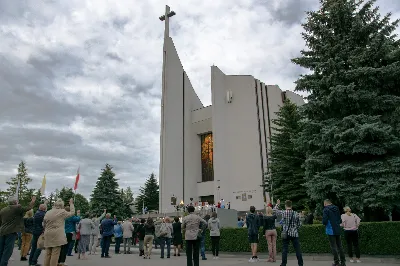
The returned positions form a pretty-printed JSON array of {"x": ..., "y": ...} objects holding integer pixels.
[{"x": 62, "y": 230}]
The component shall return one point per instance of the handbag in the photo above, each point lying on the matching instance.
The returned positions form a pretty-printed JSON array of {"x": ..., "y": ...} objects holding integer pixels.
[
  {"x": 284, "y": 234},
  {"x": 40, "y": 242}
]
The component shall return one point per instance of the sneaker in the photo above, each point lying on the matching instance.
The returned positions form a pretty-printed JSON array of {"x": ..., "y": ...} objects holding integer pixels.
[
  {"x": 203, "y": 258},
  {"x": 252, "y": 260},
  {"x": 352, "y": 261},
  {"x": 358, "y": 261}
]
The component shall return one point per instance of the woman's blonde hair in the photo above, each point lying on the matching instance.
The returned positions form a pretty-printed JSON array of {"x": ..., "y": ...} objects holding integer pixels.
[
  {"x": 29, "y": 214},
  {"x": 59, "y": 204},
  {"x": 269, "y": 211},
  {"x": 347, "y": 210},
  {"x": 167, "y": 219}
]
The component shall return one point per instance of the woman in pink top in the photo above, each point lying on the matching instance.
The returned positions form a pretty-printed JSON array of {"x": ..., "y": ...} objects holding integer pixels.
[{"x": 350, "y": 223}]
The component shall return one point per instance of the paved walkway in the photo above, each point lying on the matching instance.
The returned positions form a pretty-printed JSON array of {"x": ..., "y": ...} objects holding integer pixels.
[{"x": 225, "y": 259}]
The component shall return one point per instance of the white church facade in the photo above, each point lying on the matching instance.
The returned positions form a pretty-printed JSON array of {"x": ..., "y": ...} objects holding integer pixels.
[{"x": 209, "y": 153}]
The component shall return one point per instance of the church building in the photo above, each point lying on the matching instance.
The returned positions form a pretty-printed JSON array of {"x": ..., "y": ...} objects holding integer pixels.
[{"x": 221, "y": 151}]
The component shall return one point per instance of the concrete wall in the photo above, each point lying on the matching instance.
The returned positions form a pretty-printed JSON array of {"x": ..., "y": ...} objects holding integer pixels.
[
  {"x": 179, "y": 146},
  {"x": 294, "y": 98},
  {"x": 237, "y": 163},
  {"x": 227, "y": 218}
]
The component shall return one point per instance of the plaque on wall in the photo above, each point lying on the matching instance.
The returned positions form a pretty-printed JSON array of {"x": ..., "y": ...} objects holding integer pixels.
[
  {"x": 173, "y": 201},
  {"x": 249, "y": 196},
  {"x": 244, "y": 197}
]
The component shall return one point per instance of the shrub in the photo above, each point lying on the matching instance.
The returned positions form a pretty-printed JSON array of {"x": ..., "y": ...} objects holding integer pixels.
[{"x": 375, "y": 239}]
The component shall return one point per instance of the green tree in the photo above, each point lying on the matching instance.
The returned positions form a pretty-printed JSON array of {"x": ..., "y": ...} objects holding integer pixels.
[
  {"x": 128, "y": 201},
  {"x": 149, "y": 195},
  {"x": 50, "y": 200},
  {"x": 286, "y": 160},
  {"x": 106, "y": 194},
  {"x": 24, "y": 193},
  {"x": 80, "y": 203},
  {"x": 352, "y": 133}
]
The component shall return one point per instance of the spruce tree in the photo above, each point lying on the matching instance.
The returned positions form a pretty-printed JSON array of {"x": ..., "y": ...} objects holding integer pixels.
[
  {"x": 149, "y": 195},
  {"x": 24, "y": 193},
  {"x": 287, "y": 173},
  {"x": 352, "y": 133},
  {"x": 106, "y": 194},
  {"x": 128, "y": 201}
]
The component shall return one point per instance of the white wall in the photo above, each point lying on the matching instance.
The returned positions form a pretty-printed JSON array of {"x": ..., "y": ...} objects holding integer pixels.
[
  {"x": 236, "y": 141},
  {"x": 192, "y": 156},
  {"x": 178, "y": 143}
]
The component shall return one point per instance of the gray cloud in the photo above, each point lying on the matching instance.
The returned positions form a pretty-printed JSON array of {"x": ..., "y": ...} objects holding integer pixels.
[{"x": 81, "y": 84}]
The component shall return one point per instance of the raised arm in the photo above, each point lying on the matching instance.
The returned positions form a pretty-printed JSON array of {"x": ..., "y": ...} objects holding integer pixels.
[
  {"x": 30, "y": 206},
  {"x": 276, "y": 209},
  {"x": 101, "y": 216},
  {"x": 71, "y": 211}
]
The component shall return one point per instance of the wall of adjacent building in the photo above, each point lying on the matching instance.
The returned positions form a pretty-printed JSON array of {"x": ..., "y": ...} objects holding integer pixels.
[{"x": 236, "y": 140}]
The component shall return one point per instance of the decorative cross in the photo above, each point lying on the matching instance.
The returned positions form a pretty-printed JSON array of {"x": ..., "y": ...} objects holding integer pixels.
[{"x": 165, "y": 18}]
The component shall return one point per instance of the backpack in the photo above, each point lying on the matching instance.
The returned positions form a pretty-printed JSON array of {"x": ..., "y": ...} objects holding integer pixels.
[{"x": 163, "y": 230}]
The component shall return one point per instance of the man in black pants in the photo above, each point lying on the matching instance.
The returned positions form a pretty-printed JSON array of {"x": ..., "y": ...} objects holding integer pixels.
[
  {"x": 191, "y": 223},
  {"x": 332, "y": 220}
]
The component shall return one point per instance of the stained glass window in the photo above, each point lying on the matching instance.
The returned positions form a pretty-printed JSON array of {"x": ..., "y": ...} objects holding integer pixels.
[{"x": 207, "y": 167}]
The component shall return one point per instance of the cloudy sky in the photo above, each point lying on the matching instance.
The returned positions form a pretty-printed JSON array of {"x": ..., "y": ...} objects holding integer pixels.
[{"x": 80, "y": 79}]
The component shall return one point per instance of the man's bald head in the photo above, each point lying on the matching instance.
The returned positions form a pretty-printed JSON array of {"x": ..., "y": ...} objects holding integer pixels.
[{"x": 43, "y": 207}]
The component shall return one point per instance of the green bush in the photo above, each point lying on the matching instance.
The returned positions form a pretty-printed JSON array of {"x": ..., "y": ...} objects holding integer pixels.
[{"x": 375, "y": 239}]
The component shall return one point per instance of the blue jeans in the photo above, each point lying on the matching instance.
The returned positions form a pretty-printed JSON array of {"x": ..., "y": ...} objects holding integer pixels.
[
  {"x": 19, "y": 241},
  {"x": 106, "y": 246},
  {"x": 35, "y": 252},
  {"x": 163, "y": 241},
  {"x": 203, "y": 246},
  {"x": 285, "y": 250},
  {"x": 118, "y": 241},
  {"x": 7, "y": 247}
]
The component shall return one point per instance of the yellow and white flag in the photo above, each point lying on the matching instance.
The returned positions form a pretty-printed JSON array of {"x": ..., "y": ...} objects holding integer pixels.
[{"x": 43, "y": 188}]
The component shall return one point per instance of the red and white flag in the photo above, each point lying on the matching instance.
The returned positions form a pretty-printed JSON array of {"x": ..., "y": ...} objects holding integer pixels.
[{"x": 77, "y": 179}]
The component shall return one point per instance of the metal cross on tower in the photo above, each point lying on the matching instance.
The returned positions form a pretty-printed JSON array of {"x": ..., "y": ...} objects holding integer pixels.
[{"x": 165, "y": 18}]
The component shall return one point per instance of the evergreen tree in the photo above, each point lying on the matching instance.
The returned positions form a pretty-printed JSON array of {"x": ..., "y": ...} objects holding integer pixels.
[
  {"x": 128, "y": 201},
  {"x": 80, "y": 203},
  {"x": 352, "y": 133},
  {"x": 24, "y": 193},
  {"x": 148, "y": 195},
  {"x": 106, "y": 194},
  {"x": 50, "y": 200},
  {"x": 286, "y": 161}
]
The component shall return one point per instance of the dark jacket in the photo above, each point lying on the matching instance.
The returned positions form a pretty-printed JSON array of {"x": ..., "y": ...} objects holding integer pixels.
[
  {"x": 332, "y": 220},
  {"x": 140, "y": 231},
  {"x": 149, "y": 229},
  {"x": 37, "y": 229},
  {"x": 28, "y": 223},
  {"x": 107, "y": 227},
  {"x": 269, "y": 223},
  {"x": 11, "y": 219},
  {"x": 253, "y": 223}
]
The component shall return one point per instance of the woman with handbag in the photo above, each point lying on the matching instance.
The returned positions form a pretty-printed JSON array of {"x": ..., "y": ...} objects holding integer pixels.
[{"x": 350, "y": 223}]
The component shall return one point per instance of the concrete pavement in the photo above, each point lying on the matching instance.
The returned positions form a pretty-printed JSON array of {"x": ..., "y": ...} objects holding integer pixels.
[{"x": 225, "y": 259}]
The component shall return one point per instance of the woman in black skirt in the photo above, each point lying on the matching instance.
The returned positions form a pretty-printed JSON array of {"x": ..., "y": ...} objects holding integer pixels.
[{"x": 177, "y": 230}]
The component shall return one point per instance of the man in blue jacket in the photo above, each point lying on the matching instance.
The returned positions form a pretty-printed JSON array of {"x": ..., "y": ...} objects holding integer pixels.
[
  {"x": 36, "y": 232},
  {"x": 332, "y": 220},
  {"x": 107, "y": 228}
]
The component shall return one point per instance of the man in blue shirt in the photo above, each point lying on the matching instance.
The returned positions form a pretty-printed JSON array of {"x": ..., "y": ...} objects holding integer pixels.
[
  {"x": 332, "y": 220},
  {"x": 107, "y": 227}
]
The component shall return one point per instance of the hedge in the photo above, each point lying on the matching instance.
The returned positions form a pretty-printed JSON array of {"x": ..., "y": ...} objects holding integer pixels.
[{"x": 381, "y": 238}]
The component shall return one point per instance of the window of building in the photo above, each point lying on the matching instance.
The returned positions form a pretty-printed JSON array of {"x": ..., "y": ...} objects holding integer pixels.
[
  {"x": 208, "y": 199},
  {"x": 207, "y": 166}
]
